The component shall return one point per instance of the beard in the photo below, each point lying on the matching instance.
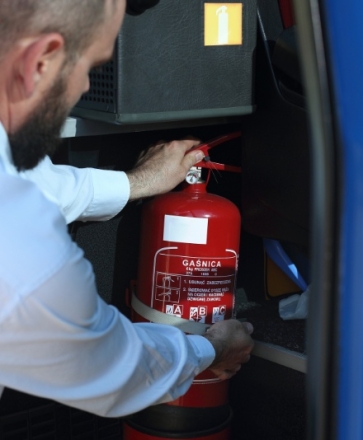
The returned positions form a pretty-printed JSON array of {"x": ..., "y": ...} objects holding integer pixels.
[{"x": 39, "y": 136}]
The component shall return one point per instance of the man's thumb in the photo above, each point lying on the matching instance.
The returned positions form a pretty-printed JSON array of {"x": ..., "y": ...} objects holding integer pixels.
[
  {"x": 193, "y": 158},
  {"x": 249, "y": 327}
]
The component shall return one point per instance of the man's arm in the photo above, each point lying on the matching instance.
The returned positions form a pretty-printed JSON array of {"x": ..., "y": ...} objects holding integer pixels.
[
  {"x": 72, "y": 347},
  {"x": 84, "y": 194},
  {"x": 162, "y": 167},
  {"x": 93, "y": 194},
  {"x": 60, "y": 340}
]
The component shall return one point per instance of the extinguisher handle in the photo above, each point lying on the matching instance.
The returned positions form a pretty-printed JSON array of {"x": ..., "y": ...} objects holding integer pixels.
[
  {"x": 205, "y": 147},
  {"x": 219, "y": 166}
]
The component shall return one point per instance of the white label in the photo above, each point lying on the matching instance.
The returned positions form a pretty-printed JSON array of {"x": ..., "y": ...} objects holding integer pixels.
[{"x": 185, "y": 229}]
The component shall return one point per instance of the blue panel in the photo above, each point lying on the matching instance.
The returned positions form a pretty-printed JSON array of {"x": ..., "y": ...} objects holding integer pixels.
[
  {"x": 345, "y": 27},
  {"x": 277, "y": 254}
]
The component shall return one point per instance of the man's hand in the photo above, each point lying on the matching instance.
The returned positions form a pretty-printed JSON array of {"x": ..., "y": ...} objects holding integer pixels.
[
  {"x": 162, "y": 167},
  {"x": 233, "y": 344}
]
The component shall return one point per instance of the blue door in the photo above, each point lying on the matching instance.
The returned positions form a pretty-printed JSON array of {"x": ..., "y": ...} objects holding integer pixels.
[{"x": 331, "y": 46}]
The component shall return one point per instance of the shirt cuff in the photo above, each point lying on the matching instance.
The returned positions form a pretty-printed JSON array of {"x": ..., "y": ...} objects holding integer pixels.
[
  {"x": 111, "y": 192},
  {"x": 204, "y": 350}
]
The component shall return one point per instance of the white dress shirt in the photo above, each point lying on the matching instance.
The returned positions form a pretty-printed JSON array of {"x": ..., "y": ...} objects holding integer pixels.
[
  {"x": 58, "y": 338},
  {"x": 81, "y": 193}
]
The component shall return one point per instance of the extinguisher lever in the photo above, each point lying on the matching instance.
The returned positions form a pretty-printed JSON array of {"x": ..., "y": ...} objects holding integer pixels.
[
  {"x": 219, "y": 166},
  {"x": 205, "y": 147}
]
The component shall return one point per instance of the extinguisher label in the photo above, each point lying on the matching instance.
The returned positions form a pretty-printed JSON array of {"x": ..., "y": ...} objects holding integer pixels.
[
  {"x": 180, "y": 229},
  {"x": 198, "y": 289}
]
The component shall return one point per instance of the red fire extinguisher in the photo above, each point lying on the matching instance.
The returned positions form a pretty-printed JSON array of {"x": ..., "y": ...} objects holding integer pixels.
[{"x": 187, "y": 275}]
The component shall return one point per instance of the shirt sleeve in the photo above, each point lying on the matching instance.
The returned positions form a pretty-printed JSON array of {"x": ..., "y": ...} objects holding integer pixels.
[
  {"x": 65, "y": 343},
  {"x": 59, "y": 339},
  {"x": 81, "y": 193}
]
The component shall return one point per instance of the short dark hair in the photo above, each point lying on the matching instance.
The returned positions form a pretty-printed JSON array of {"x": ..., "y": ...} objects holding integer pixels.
[{"x": 75, "y": 20}]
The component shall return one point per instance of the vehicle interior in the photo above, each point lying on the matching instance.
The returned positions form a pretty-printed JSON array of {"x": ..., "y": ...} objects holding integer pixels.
[{"x": 273, "y": 193}]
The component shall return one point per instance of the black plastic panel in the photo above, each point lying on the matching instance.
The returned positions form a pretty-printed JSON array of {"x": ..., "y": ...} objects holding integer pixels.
[{"x": 162, "y": 71}]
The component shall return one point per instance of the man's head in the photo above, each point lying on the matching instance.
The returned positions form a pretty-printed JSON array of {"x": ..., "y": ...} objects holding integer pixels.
[{"x": 47, "y": 48}]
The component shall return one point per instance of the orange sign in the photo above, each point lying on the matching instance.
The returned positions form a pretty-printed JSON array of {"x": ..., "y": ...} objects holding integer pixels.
[{"x": 222, "y": 24}]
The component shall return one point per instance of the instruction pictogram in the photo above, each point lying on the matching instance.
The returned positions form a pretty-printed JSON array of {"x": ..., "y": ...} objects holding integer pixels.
[
  {"x": 219, "y": 313},
  {"x": 167, "y": 287},
  {"x": 223, "y": 24},
  {"x": 174, "y": 309},
  {"x": 198, "y": 314}
]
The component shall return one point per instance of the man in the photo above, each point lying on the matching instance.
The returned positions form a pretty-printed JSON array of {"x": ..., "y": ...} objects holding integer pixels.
[{"x": 58, "y": 339}]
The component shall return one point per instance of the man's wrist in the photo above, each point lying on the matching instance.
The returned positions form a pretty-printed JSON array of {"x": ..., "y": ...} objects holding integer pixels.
[
  {"x": 217, "y": 345},
  {"x": 138, "y": 185},
  {"x": 204, "y": 349}
]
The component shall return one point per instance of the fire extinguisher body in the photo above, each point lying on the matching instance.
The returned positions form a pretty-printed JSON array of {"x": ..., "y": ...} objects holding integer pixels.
[
  {"x": 187, "y": 269},
  {"x": 189, "y": 255},
  {"x": 186, "y": 277}
]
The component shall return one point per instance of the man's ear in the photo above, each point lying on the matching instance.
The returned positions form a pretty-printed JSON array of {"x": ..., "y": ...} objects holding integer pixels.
[{"x": 39, "y": 58}]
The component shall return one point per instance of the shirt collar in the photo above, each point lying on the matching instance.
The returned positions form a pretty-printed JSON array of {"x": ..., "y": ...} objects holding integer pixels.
[{"x": 6, "y": 160}]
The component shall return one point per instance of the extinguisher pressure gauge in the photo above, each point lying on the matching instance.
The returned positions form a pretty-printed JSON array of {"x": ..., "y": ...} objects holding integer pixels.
[{"x": 194, "y": 175}]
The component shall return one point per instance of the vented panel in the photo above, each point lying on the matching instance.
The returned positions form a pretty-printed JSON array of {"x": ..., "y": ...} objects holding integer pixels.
[{"x": 102, "y": 92}]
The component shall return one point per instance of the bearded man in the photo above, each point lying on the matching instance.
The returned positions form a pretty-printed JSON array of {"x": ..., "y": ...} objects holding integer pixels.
[{"x": 58, "y": 338}]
